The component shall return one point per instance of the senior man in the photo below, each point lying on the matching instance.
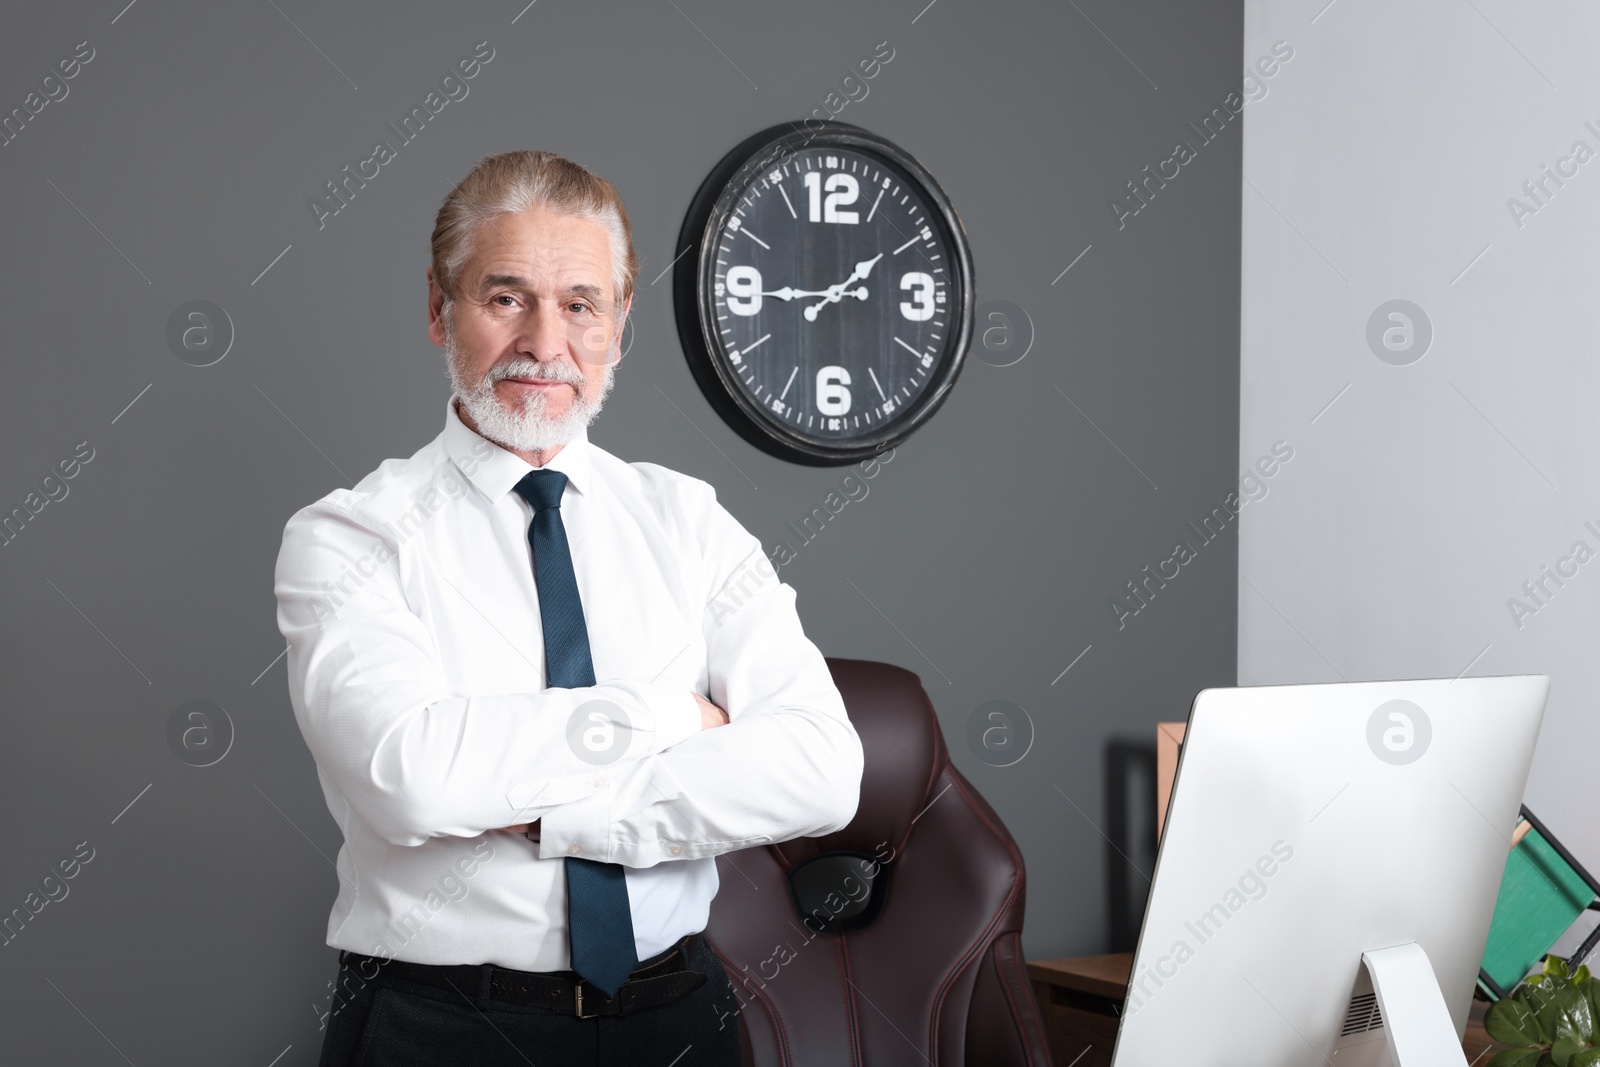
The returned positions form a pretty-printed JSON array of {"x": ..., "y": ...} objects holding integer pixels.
[{"x": 543, "y": 686}]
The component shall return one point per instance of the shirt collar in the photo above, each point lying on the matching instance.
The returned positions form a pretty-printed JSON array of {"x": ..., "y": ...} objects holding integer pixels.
[{"x": 495, "y": 470}]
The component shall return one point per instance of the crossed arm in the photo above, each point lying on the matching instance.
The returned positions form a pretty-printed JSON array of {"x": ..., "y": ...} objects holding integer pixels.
[
  {"x": 711, "y": 717},
  {"x": 415, "y": 760}
]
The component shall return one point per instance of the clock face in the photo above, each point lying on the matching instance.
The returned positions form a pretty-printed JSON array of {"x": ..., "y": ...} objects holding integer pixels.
[{"x": 829, "y": 306}]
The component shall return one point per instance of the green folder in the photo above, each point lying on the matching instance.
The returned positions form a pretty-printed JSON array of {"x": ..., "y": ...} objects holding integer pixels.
[{"x": 1542, "y": 893}]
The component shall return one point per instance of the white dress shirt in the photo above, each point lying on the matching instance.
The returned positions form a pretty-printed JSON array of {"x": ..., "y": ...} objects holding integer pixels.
[{"x": 416, "y": 672}]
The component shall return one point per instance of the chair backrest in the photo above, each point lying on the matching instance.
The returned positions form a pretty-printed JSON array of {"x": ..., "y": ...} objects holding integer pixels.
[
  {"x": 1542, "y": 893},
  {"x": 896, "y": 939}
]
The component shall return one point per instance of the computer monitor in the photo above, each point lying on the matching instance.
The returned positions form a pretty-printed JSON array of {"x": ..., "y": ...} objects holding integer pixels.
[{"x": 1325, "y": 880}]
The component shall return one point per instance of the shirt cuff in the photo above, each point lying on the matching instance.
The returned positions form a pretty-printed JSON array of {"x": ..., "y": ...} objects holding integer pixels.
[
  {"x": 580, "y": 828},
  {"x": 585, "y": 828}
]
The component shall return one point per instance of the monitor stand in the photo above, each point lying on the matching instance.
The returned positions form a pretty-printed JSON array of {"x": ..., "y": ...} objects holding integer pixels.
[{"x": 1415, "y": 1019}]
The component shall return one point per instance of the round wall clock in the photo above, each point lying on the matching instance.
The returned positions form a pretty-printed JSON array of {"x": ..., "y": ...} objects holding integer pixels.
[{"x": 824, "y": 293}]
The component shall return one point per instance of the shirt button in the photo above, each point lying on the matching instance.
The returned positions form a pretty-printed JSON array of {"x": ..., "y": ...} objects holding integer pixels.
[
  {"x": 676, "y": 850},
  {"x": 598, "y": 782},
  {"x": 573, "y": 849}
]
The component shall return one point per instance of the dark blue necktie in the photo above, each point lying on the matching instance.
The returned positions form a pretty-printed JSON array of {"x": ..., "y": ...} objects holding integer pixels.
[{"x": 599, "y": 924}]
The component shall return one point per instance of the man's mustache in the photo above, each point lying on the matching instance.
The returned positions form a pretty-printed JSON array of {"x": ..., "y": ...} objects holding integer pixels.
[{"x": 536, "y": 372}]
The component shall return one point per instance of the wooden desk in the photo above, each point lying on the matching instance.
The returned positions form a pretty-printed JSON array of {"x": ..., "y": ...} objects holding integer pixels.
[{"x": 1080, "y": 999}]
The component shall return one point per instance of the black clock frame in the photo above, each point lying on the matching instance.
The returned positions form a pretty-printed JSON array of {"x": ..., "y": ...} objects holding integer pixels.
[{"x": 695, "y": 312}]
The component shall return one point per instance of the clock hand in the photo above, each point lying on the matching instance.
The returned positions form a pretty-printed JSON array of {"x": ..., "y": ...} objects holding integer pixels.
[
  {"x": 833, "y": 298},
  {"x": 863, "y": 269},
  {"x": 836, "y": 292},
  {"x": 787, "y": 293},
  {"x": 833, "y": 293}
]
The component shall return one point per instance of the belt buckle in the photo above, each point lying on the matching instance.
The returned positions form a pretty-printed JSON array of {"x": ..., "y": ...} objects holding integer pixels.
[{"x": 577, "y": 990}]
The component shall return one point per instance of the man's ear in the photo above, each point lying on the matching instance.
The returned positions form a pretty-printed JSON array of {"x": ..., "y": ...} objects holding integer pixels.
[
  {"x": 622, "y": 324},
  {"x": 435, "y": 310}
]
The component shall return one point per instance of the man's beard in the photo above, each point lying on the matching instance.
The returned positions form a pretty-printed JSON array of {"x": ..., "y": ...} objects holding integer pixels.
[{"x": 530, "y": 428}]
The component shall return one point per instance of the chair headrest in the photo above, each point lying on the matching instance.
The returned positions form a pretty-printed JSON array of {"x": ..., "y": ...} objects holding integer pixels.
[{"x": 904, "y": 755}]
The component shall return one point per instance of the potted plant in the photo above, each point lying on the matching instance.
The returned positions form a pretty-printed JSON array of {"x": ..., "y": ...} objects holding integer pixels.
[{"x": 1552, "y": 1019}]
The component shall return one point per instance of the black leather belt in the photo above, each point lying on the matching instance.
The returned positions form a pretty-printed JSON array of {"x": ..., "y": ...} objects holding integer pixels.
[{"x": 659, "y": 980}]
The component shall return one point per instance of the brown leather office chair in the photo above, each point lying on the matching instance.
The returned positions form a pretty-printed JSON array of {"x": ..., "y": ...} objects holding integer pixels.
[{"x": 896, "y": 940}]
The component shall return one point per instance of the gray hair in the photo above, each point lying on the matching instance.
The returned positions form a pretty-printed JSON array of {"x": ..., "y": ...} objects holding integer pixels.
[{"x": 520, "y": 181}]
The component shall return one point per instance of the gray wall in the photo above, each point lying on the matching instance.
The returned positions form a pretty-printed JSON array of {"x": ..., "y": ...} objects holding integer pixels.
[
  {"x": 985, "y": 557},
  {"x": 1389, "y": 165}
]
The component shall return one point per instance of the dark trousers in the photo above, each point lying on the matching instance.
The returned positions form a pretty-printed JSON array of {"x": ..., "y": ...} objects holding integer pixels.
[{"x": 382, "y": 1019}]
